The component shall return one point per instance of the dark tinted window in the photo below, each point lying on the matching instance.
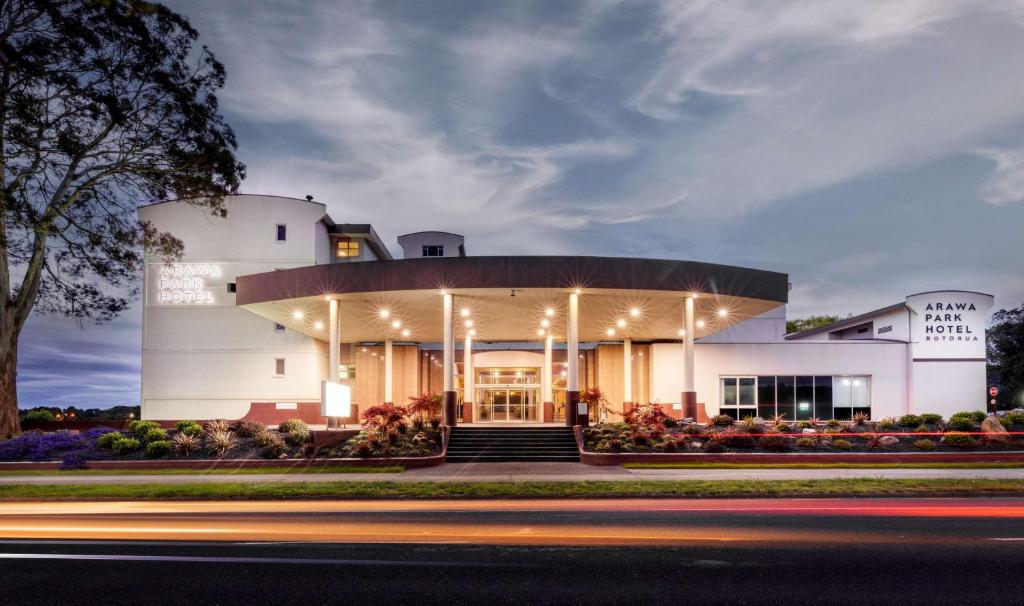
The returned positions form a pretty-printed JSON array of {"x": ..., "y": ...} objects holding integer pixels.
[
  {"x": 785, "y": 397},
  {"x": 433, "y": 250},
  {"x": 282, "y": 232},
  {"x": 823, "y": 397},
  {"x": 804, "y": 397},
  {"x": 765, "y": 397}
]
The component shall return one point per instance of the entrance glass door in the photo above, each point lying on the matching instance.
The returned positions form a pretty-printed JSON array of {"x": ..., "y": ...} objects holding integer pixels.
[{"x": 507, "y": 404}]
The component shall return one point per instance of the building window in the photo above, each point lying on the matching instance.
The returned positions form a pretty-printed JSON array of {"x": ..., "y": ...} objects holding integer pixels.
[
  {"x": 282, "y": 232},
  {"x": 851, "y": 395},
  {"x": 346, "y": 371},
  {"x": 739, "y": 399},
  {"x": 279, "y": 367},
  {"x": 346, "y": 249},
  {"x": 278, "y": 327},
  {"x": 433, "y": 250},
  {"x": 232, "y": 287},
  {"x": 796, "y": 398}
]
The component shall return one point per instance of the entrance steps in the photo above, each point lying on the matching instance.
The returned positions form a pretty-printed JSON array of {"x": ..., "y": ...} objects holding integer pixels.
[{"x": 511, "y": 444}]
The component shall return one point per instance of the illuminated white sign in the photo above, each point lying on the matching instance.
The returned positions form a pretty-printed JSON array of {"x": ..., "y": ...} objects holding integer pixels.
[
  {"x": 186, "y": 283},
  {"x": 335, "y": 400},
  {"x": 949, "y": 324}
]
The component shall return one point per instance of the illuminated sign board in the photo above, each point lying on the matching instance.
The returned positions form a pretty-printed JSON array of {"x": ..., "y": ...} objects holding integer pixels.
[
  {"x": 335, "y": 400},
  {"x": 185, "y": 283}
]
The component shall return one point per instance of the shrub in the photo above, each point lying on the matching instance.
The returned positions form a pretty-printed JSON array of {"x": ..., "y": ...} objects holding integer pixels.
[
  {"x": 220, "y": 443},
  {"x": 924, "y": 445},
  {"x": 298, "y": 437},
  {"x": 294, "y": 424},
  {"x": 833, "y": 424},
  {"x": 272, "y": 445},
  {"x": 776, "y": 443},
  {"x": 189, "y": 427},
  {"x": 806, "y": 425},
  {"x": 714, "y": 444},
  {"x": 784, "y": 428},
  {"x": 841, "y": 445},
  {"x": 922, "y": 428},
  {"x": 37, "y": 446},
  {"x": 37, "y": 416},
  {"x": 778, "y": 420},
  {"x": 886, "y": 424},
  {"x": 693, "y": 430},
  {"x": 216, "y": 426},
  {"x": 750, "y": 425},
  {"x": 931, "y": 418},
  {"x": 141, "y": 428},
  {"x": 859, "y": 419},
  {"x": 425, "y": 407},
  {"x": 185, "y": 444},
  {"x": 107, "y": 439},
  {"x": 961, "y": 423},
  {"x": 647, "y": 417},
  {"x": 1014, "y": 417},
  {"x": 380, "y": 419},
  {"x": 155, "y": 435},
  {"x": 250, "y": 429},
  {"x": 806, "y": 443},
  {"x": 737, "y": 441},
  {"x": 959, "y": 440},
  {"x": 722, "y": 420},
  {"x": 910, "y": 421},
  {"x": 124, "y": 445},
  {"x": 615, "y": 445},
  {"x": 158, "y": 448},
  {"x": 670, "y": 422},
  {"x": 975, "y": 415}
]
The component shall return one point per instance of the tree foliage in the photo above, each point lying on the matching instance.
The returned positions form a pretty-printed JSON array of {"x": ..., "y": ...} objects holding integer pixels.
[
  {"x": 104, "y": 104},
  {"x": 1005, "y": 349},
  {"x": 810, "y": 322}
]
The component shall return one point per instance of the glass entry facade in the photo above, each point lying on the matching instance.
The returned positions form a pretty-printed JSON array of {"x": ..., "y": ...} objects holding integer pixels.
[{"x": 507, "y": 394}]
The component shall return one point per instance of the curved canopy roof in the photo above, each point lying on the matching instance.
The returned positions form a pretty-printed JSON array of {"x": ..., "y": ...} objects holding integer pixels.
[{"x": 507, "y": 298}]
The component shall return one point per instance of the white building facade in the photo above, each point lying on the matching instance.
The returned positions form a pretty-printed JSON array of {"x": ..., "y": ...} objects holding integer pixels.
[{"x": 245, "y": 325}]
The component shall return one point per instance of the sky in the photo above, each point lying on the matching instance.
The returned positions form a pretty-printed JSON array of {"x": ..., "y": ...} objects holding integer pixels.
[{"x": 869, "y": 149}]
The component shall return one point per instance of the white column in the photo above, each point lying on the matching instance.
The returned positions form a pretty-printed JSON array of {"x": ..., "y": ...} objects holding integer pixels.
[
  {"x": 688, "y": 326},
  {"x": 389, "y": 360},
  {"x": 627, "y": 370},
  {"x": 467, "y": 370},
  {"x": 449, "y": 345},
  {"x": 547, "y": 391},
  {"x": 333, "y": 340},
  {"x": 572, "y": 382}
]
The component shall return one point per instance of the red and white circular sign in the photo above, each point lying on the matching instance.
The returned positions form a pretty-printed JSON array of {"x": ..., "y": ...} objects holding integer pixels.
[{"x": 993, "y": 391}]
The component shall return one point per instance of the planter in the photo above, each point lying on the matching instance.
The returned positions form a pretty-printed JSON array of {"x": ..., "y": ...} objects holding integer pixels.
[{"x": 791, "y": 458}]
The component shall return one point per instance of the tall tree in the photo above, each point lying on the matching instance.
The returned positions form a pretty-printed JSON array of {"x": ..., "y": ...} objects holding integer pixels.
[
  {"x": 1005, "y": 345},
  {"x": 103, "y": 104}
]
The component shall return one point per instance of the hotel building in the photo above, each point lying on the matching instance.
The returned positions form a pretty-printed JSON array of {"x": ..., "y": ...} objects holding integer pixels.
[{"x": 277, "y": 298}]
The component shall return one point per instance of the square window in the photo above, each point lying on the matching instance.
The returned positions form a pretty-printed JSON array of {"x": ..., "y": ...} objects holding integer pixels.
[
  {"x": 232, "y": 287},
  {"x": 346, "y": 249},
  {"x": 279, "y": 367},
  {"x": 282, "y": 232},
  {"x": 433, "y": 250}
]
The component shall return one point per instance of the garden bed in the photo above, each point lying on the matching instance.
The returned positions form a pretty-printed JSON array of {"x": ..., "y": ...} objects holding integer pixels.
[{"x": 649, "y": 437}]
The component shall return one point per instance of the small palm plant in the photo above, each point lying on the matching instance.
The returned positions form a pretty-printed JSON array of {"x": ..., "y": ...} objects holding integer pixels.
[
  {"x": 220, "y": 443},
  {"x": 184, "y": 444}
]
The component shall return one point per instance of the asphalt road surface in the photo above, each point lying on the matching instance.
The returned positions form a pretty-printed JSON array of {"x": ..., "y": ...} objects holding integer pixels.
[{"x": 616, "y": 551}]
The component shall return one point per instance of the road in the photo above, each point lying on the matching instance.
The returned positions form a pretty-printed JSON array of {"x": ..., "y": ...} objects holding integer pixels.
[{"x": 551, "y": 551}]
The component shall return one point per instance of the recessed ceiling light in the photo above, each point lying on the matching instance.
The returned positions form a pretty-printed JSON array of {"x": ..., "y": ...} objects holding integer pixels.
[
  {"x": 384, "y": 313},
  {"x": 682, "y": 332},
  {"x": 545, "y": 323},
  {"x": 469, "y": 324},
  {"x": 621, "y": 323},
  {"x": 465, "y": 312},
  {"x": 549, "y": 312},
  {"x": 611, "y": 332},
  {"x": 318, "y": 325},
  {"x": 635, "y": 312},
  {"x": 406, "y": 333},
  {"x": 700, "y": 323},
  {"x": 297, "y": 314},
  {"x": 396, "y": 324},
  {"x": 540, "y": 332},
  {"x": 723, "y": 312}
]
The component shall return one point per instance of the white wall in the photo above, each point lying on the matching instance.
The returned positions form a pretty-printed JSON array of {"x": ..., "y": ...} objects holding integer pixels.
[
  {"x": 211, "y": 360},
  {"x": 768, "y": 327},
  {"x": 412, "y": 244},
  {"x": 886, "y": 364}
]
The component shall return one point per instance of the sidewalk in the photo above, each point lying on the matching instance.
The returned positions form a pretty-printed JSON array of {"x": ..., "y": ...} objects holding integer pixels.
[{"x": 532, "y": 472}]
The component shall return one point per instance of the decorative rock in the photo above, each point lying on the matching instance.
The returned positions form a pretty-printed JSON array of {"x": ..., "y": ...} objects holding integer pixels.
[
  {"x": 887, "y": 441},
  {"x": 809, "y": 430},
  {"x": 687, "y": 420},
  {"x": 759, "y": 421},
  {"x": 994, "y": 430},
  {"x": 696, "y": 444}
]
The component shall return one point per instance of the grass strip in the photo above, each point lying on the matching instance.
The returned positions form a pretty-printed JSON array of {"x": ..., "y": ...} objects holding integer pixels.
[
  {"x": 588, "y": 489},
  {"x": 201, "y": 472},
  {"x": 974, "y": 465}
]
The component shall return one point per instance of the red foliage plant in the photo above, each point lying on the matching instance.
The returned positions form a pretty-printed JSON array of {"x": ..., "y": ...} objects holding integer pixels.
[
  {"x": 425, "y": 406},
  {"x": 385, "y": 418},
  {"x": 648, "y": 417}
]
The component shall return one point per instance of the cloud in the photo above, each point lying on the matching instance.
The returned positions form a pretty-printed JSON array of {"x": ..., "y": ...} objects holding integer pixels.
[{"x": 1006, "y": 183}]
